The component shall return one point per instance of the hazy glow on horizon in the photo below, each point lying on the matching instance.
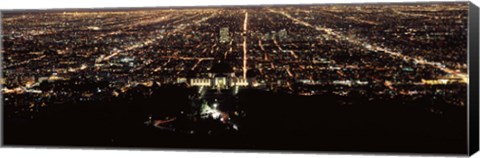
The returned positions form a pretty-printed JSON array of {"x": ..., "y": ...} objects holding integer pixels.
[{"x": 55, "y": 4}]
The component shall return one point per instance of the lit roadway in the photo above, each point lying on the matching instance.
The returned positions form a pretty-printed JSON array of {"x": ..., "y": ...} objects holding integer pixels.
[{"x": 245, "y": 47}]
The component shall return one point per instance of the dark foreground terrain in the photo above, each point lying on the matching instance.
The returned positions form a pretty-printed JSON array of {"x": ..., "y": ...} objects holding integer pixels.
[{"x": 274, "y": 121}]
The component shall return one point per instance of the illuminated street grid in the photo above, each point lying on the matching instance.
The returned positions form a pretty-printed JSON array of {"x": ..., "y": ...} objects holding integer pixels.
[{"x": 376, "y": 51}]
